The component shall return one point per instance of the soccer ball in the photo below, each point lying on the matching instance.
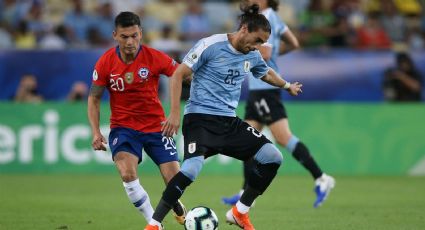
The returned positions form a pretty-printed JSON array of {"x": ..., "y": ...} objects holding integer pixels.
[{"x": 201, "y": 218}]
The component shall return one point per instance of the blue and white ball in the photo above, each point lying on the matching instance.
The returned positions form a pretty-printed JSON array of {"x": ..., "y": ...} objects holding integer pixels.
[{"x": 201, "y": 218}]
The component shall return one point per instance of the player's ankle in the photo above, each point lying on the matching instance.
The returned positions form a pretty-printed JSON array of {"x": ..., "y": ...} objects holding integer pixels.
[{"x": 153, "y": 222}]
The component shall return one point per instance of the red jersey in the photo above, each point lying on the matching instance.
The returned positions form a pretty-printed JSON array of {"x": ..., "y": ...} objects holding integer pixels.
[{"x": 133, "y": 88}]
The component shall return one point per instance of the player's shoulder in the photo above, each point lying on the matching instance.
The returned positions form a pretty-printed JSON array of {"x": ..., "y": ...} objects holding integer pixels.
[
  {"x": 108, "y": 54},
  {"x": 148, "y": 51},
  {"x": 210, "y": 43},
  {"x": 272, "y": 16},
  {"x": 214, "y": 40},
  {"x": 111, "y": 51}
]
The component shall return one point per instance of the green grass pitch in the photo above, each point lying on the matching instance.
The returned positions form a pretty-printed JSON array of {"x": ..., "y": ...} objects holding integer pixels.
[{"x": 99, "y": 202}]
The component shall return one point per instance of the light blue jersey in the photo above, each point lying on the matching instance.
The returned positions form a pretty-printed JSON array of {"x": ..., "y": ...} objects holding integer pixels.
[
  {"x": 278, "y": 28},
  {"x": 219, "y": 70}
]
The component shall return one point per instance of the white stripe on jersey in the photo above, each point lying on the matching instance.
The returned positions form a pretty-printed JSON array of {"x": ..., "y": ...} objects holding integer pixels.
[{"x": 201, "y": 46}]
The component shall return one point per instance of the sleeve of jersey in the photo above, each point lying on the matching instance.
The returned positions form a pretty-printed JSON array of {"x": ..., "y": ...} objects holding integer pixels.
[
  {"x": 168, "y": 65},
  {"x": 99, "y": 74},
  {"x": 260, "y": 68},
  {"x": 197, "y": 56},
  {"x": 282, "y": 27}
]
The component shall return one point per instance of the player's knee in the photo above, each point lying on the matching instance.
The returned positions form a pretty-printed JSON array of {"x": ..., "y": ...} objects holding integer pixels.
[
  {"x": 284, "y": 139},
  {"x": 192, "y": 167},
  {"x": 128, "y": 175},
  {"x": 292, "y": 143},
  {"x": 269, "y": 154}
]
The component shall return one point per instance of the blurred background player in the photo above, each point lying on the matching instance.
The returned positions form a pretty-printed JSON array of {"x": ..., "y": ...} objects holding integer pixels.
[
  {"x": 130, "y": 72},
  {"x": 220, "y": 64},
  {"x": 264, "y": 106}
]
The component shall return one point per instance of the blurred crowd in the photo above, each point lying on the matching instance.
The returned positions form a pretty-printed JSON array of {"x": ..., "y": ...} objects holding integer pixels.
[{"x": 173, "y": 25}]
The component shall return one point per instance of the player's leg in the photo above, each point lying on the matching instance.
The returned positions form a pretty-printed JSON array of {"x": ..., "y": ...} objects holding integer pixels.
[
  {"x": 190, "y": 169},
  {"x": 281, "y": 132},
  {"x": 246, "y": 165},
  {"x": 250, "y": 163},
  {"x": 254, "y": 112},
  {"x": 126, "y": 152},
  {"x": 283, "y": 135},
  {"x": 126, "y": 164},
  {"x": 247, "y": 143},
  {"x": 175, "y": 188},
  {"x": 163, "y": 152},
  {"x": 266, "y": 162}
]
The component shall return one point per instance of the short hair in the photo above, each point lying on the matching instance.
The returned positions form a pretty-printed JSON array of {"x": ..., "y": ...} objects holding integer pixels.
[
  {"x": 127, "y": 19},
  {"x": 254, "y": 20}
]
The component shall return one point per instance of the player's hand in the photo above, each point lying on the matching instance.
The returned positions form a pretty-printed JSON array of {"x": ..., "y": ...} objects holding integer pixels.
[
  {"x": 171, "y": 125},
  {"x": 295, "y": 89},
  {"x": 99, "y": 142}
]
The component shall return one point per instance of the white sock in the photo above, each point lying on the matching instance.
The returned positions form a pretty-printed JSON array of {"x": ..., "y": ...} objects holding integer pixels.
[
  {"x": 154, "y": 222},
  {"x": 140, "y": 198},
  {"x": 320, "y": 179},
  {"x": 242, "y": 208}
]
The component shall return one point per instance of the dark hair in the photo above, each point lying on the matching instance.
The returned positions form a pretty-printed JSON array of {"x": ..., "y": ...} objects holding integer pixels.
[
  {"x": 274, "y": 4},
  {"x": 254, "y": 20},
  {"x": 127, "y": 19}
]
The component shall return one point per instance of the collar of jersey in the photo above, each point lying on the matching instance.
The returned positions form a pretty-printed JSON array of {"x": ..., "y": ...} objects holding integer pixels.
[
  {"x": 117, "y": 50},
  {"x": 233, "y": 49}
]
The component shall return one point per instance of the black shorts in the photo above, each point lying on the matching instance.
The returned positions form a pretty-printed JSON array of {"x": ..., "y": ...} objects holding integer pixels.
[
  {"x": 208, "y": 135},
  {"x": 265, "y": 106}
]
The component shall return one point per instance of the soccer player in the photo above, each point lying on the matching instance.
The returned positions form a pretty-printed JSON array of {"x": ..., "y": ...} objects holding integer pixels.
[
  {"x": 220, "y": 63},
  {"x": 264, "y": 106},
  {"x": 131, "y": 72}
]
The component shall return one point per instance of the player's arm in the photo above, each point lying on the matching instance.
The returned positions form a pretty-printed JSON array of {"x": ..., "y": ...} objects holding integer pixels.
[
  {"x": 93, "y": 113},
  {"x": 171, "y": 125},
  {"x": 408, "y": 81},
  {"x": 288, "y": 42},
  {"x": 274, "y": 79},
  {"x": 266, "y": 51}
]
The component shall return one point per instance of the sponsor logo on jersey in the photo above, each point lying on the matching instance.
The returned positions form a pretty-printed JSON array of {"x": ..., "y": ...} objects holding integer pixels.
[
  {"x": 247, "y": 66},
  {"x": 143, "y": 73},
  {"x": 192, "y": 147},
  {"x": 194, "y": 56},
  {"x": 129, "y": 77},
  {"x": 95, "y": 76}
]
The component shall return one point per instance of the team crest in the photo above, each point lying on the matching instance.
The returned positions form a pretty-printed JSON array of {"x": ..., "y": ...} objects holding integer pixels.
[
  {"x": 247, "y": 66},
  {"x": 129, "y": 77},
  {"x": 143, "y": 73},
  {"x": 194, "y": 56},
  {"x": 192, "y": 147}
]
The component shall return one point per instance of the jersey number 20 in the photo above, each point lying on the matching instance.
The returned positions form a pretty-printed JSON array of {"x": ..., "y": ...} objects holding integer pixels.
[{"x": 117, "y": 85}]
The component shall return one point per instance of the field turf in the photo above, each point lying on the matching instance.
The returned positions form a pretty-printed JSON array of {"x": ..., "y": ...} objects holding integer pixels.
[{"x": 99, "y": 202}]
